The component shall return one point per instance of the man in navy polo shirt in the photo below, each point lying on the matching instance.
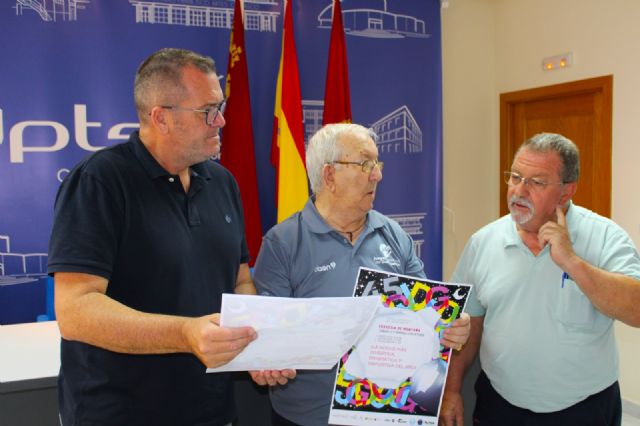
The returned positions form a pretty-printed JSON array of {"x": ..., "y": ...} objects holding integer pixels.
[{"x": 147, "y": 236}]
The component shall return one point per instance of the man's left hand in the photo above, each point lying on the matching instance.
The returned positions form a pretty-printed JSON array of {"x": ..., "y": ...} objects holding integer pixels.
[{"x": 456, "y": 336}]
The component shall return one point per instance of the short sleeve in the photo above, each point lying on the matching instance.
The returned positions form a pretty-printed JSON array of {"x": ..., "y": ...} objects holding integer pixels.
[
  {"x": 87, "y": 222},
  {"x": 270, "y": 274},
  {"x": 619, "y": 254}
]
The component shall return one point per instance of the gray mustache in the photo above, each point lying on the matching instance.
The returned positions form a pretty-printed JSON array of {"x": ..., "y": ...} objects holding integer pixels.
[{"x": 515, "y": 199}]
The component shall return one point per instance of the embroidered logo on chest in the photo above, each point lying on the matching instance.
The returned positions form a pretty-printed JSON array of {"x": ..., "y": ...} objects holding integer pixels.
[{"x": 387, "y": 257}]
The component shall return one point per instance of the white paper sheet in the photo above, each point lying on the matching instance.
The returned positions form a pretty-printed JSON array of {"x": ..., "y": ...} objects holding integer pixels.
[{"x": 300, "y": 333}]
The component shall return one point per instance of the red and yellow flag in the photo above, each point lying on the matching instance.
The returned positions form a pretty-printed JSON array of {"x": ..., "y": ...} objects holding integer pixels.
[
  {"x": 337, "y": 100},
  {"x": 237, "y": 153},
  {"x": 287, "y": 149}
]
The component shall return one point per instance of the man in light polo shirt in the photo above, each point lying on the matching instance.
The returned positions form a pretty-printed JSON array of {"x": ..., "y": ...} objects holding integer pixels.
[
  {"x": 549, "y": 280},
  {"x": 317, "y": 253}
]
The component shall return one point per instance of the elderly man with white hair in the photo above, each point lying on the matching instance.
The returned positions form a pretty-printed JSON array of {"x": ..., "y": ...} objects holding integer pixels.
[{"x": 317, "y": 253}]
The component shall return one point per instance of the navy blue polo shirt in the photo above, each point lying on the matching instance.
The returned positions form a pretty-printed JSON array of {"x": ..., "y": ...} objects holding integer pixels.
[{"x": 121, "y": 216}]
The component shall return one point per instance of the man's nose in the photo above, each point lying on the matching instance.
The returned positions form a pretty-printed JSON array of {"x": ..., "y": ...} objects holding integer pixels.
[
  {"x": 376, "y": 174},
  {"x": 219, "y": 122},
  {"x": 521, "y": 188}
]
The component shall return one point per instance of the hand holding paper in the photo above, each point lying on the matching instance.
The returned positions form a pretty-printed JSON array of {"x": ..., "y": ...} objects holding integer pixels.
[{"x": 215, "y": 345}]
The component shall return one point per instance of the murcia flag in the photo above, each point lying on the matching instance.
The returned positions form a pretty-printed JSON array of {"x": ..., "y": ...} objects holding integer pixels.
[
  {"x": 337, "y": 100},
  {"x": 237, "y": 150}
]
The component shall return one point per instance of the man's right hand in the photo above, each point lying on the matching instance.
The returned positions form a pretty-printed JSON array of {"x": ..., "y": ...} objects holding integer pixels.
[
  {"x": 215, "y": 345},
  {"x": 452, "y": 410}
]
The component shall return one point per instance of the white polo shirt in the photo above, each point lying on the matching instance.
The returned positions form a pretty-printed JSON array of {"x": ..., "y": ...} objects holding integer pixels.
[{"x": 544, "y": 346}]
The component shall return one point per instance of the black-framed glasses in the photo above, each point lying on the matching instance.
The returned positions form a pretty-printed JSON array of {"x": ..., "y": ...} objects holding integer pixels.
[
  {"x": 210, "y": 113},
  {"x": 534, "y": 184},
  {"x": 367, "y": 165}
]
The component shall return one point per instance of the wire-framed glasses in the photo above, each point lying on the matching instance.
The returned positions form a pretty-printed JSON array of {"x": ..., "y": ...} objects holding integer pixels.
[
  {"x": 366, "y": 165},
  {"x": 534, "y": 184}
]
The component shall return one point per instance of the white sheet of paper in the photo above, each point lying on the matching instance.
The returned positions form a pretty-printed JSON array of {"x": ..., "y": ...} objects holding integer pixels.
[{"x": 300, "y": 333}]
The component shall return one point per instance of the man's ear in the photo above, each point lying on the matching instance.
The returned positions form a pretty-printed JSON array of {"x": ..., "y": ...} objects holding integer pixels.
[
  {"x": 329, "y": 177},
  {"x": 158, "y": 118},
  {"x": 569, "y": 190}
]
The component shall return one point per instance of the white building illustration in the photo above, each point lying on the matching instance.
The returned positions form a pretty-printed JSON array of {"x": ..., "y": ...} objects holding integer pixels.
[
  {"x": 18, "y": 268},
  {"x": 52, "y": 10},
  {"x": 361, "y": 18},
  {"x": 311, "y": 117},
  {"x": 412, "y": 225},
  {"x": 398, "y": 132},
  {"x": 206, "y": 13}
]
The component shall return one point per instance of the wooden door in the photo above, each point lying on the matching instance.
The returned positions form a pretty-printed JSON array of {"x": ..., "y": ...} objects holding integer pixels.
[{"x": 579, "y": 110}]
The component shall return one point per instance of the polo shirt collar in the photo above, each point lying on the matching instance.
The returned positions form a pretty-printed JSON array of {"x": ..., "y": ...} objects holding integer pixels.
[
  {"x": 572, "y": 222},
  {"x": 312, "y": 217},
  {"x": 151, "y": 165},
  {"x": 318, "y": 225},
  {"x": 375, "y": 220},
  {"x": 512, "y": 238}
]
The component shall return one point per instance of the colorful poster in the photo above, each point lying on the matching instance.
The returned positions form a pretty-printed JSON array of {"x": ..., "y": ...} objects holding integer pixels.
[{"x": 397, "y": 370}]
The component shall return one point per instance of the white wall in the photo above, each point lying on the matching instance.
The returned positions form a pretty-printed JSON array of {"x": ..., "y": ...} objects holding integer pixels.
[
  {"x": 496, "y": 46},
  {"x": 470, "y": 111}
]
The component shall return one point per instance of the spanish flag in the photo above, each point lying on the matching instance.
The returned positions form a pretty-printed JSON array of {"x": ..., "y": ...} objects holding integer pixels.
[
  {"x": 337, "y": 100},
  {"x": 237, "y": 153},
  {"x": 287, "y": 149}
]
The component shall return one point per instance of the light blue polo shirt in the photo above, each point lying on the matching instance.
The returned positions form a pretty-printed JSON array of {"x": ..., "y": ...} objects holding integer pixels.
[
  {"x": 544, "y": 346},
  {"x": 304, "y": 257}
]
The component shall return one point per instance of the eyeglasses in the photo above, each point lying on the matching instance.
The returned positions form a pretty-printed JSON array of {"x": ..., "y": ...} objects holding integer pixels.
[
  {"x": 534, "y": 184},
  {"x": 210, "y": 114},
  {"x": 367, "y": 165}
]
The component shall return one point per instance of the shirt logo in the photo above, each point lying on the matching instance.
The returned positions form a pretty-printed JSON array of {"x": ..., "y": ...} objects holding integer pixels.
[
  {"x": 227, "y": 218},
  {"x": 324, "y": 268},
  {"x": 387, "y": 257}
]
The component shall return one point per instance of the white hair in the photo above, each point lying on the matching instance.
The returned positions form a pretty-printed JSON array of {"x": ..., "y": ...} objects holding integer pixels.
[{"x": 324, "y": 148}]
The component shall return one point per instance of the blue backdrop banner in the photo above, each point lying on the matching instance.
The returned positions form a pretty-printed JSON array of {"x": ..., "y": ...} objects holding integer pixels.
[{"x": 66, "y": 90}]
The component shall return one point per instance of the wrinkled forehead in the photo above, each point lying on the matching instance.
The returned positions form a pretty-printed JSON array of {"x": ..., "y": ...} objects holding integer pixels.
[
  {"x": 537, "y": 162},
  {"x": 357, "y": 142},
  {"x": 201, "y": 86}
]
